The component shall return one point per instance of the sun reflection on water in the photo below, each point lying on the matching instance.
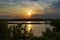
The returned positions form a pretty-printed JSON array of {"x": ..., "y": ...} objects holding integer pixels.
[{"x": 29, "y": 26}]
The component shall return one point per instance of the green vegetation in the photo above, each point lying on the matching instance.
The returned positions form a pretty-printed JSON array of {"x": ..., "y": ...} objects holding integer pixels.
[{"x": 19, "y": 33}]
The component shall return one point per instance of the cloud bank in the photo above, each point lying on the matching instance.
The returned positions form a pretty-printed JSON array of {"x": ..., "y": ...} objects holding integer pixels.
[{"x": 20, "y": 7}]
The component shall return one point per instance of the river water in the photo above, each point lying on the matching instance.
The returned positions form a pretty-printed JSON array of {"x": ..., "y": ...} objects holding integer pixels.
[{"x": 36, "y": 28}]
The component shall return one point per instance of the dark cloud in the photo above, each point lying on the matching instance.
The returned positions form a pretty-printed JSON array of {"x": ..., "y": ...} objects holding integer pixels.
[
  {"x": 57, "y": 4},
  {"x": 47, "y": 16}
]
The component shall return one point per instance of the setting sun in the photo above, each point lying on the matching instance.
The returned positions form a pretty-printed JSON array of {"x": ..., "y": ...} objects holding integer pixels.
[{"x": 29, "y": 13}]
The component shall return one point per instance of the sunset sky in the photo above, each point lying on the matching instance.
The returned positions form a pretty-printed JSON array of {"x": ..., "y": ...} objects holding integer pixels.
[{"x": 37, "y": 8}]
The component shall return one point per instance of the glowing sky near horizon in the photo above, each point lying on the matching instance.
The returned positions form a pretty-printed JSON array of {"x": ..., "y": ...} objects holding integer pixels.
[{"x": 21, "y": 7}]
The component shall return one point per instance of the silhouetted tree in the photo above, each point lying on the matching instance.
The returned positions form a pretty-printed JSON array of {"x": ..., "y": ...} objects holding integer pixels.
[
  {"x": 3, "y": 30},
  {"x": 17, "y": 32},
  {"x": 56, "y": 24},
  {"x": 21, "y": 33},
  {"x": 55, "y": 34}
]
